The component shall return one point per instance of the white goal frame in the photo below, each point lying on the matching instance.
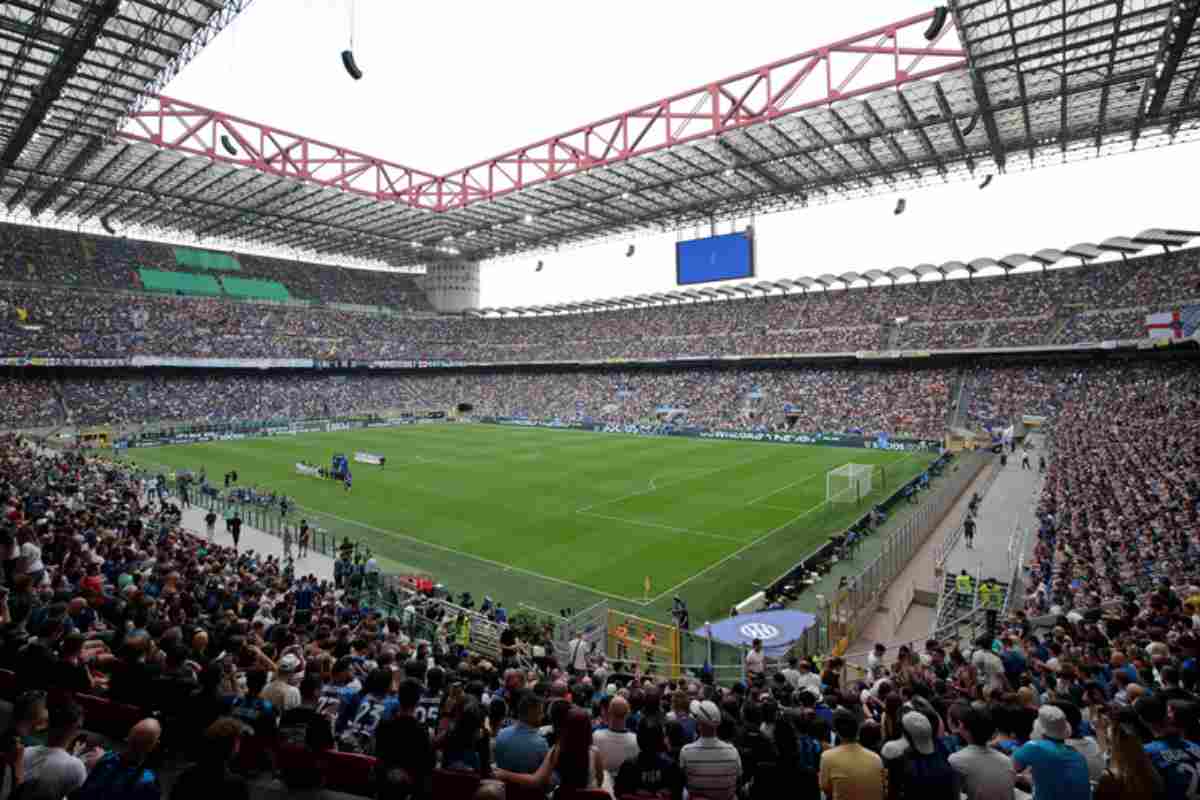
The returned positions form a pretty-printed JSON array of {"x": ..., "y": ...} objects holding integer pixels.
[{"x": 849, "y": 483}]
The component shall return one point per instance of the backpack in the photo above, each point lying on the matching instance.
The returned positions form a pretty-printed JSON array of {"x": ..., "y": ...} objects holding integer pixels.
[{"x": 359, "y": 735}]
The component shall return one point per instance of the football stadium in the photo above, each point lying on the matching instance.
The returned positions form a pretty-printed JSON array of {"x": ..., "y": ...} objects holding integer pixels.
[{"x": 826, "y": 430}]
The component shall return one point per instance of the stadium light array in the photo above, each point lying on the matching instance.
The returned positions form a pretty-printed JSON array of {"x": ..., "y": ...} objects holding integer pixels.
[{"x": 528, "y": 218}]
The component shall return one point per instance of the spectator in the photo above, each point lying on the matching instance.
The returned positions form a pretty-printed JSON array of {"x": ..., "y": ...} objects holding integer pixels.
[
  {"x": 711, "y": 767},
  {"x": 280, "y": 692},
  {"x": 519, "y": 747},
  {"x": 359, "y": 718},
  {"x": 1059, "y": 773},
  {"x": 849, "y": 771},
  {"x": 1130, "y": 774},
  {"x": 575, "y": 759},
  {"x": 404, "y": 749},
  {"x": 987, "y": 774},
  {"x": 125, "y": 776},
  {"x": 616, "y": 744},
  {"x": 251, "y": 709},
  {"x": 1176, "y": 760},
  {"x": 210, "y": 777},
  {"x": 652, "y": 771},
  {"x": 54, "y": 771}
]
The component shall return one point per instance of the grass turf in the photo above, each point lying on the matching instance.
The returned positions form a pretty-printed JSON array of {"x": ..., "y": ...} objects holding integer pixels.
[{"x": 557, "y": 518}]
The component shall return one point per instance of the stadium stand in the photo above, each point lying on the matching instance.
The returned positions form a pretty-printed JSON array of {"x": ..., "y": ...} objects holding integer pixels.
[
  {"x": 112, "y": 595},
  {"x": 1064, "y": 307}
]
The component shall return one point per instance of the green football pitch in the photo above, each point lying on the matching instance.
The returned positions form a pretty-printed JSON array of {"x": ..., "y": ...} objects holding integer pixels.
[{"x": 560, "y": 518}]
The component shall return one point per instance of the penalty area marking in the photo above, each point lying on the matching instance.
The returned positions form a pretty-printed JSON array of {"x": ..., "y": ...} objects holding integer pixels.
[
  {"x": 736, "y": 554},
  {"x": 802, "y": 479},
  {"x": 480, "y": 559}
]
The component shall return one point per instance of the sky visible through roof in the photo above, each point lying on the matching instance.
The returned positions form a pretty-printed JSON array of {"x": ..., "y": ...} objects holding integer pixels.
[{"x": 449, "y": 84}]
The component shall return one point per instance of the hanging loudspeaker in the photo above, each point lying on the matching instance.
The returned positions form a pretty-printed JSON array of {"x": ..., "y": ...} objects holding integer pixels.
[
  {"x": 971, "y": 123},
  {"x": 630, "y": 251},
  {"x": 104, "y": 223},
  {"x": 539, "y": 267},
  {"x": 901, "y": 204},
  {"x": 228, "y": 144},
  {"x": 351, "y": 67},
  {"x": 986, "y": 180},
  {"x": 936, "y": 24}
]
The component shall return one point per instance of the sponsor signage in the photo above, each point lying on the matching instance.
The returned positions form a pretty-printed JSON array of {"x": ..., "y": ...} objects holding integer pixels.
[{"x": 830, "y": 439}]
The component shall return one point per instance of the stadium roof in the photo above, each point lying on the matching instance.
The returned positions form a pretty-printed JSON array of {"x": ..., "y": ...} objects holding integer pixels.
[{"x": 1004, "y": 85}]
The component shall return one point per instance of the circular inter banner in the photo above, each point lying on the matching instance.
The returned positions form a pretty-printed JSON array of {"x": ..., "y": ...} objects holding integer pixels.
[{"x": 777, "y": 629}]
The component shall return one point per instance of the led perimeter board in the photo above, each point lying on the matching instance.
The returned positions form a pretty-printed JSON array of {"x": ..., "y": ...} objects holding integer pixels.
[{"x": 716, "y": 258}]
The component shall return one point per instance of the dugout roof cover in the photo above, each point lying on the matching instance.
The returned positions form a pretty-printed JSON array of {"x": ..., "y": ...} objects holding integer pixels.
[{"x": 1004, "y": 85}]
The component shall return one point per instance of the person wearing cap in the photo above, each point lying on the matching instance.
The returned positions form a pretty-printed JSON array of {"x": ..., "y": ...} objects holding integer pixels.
[
  {"x": 711, "y": 767},
  {"x": 920, "y": 769},
  {"x": 1059, "y": 772},
  {"x": 280, "y": 691},
  {"x": 850, "y": 771}
]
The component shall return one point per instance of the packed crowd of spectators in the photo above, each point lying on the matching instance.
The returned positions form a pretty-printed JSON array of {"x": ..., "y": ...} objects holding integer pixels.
[
  {"x": 48, "y": 256},
  {"x": 1066, "y": 306},
  {"x": 1119, "y": 506},
  {"x": 805, "y": 399},
  {"x": 231, "y": 672}
]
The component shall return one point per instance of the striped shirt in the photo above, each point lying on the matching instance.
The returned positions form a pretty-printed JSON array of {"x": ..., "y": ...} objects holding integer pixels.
[{"x": 711, "y": 768}]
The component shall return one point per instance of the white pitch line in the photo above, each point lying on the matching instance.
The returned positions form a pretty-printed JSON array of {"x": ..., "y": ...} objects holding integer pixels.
[
  {"x": 473, "y": 557},
  {"x": 663, "y": 527},
  {"x": 780, "y": 508},
  {"x": 733, "y": 555},
  {"x": 781, "y": 488},
  {"x": 673, "y": 483}
]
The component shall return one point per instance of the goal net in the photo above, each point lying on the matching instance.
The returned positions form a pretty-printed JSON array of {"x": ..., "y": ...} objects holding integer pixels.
[{"x": 849, "y": 483}]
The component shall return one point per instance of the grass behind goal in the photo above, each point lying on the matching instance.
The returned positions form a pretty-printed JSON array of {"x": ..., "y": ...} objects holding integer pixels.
[{"x": 559, "y": 518}]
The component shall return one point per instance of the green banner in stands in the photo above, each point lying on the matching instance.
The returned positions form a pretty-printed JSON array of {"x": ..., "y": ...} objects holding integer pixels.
[
  {"x": 259, "y": 290},
  {"x": 154, "y": 280},
  {"x": 206, "y": 259}
]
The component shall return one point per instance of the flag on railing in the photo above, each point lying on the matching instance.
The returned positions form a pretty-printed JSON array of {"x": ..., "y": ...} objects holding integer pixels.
[{"x": 1164, "y": 325}]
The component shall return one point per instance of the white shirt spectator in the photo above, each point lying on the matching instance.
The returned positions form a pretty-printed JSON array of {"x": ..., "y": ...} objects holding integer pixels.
[
  {"x": 616, "y": 747},
  {"x": 31, "y": 554},
  {"x": 577, "y": 653},
  {"x": 756, "y": 662},
  {"x": 51, "y": 773}
]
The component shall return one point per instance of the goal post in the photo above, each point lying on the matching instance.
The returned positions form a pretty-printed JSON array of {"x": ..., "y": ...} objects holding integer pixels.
[{"x": 851, "y": 484}]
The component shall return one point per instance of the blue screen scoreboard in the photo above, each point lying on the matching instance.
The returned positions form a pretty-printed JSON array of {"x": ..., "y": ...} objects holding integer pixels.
[{"x": 716, "y": 258}]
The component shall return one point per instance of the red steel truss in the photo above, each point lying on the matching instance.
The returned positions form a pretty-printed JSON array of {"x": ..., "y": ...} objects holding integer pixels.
[
  {"x": 189, "y": 128},
  {"x": 817, "y": 77}
]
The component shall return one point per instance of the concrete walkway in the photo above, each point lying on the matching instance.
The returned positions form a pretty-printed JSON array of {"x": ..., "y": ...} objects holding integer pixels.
[
  {"x": 259, "y": 541},
  {"x": 895, "y": 625},
  {"x": 1008, "y": 506}
]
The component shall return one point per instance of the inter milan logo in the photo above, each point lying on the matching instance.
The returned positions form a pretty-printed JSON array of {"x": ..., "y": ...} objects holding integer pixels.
[{"x": 759, "y": 630}]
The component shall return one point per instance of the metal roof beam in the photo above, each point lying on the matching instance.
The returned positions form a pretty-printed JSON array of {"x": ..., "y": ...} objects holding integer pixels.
[
  {"x": 982, "y": 101},
  {"x": 83, "y": 39},
  {"x": 740, "y": 160},
  {"x": 1173, "y": 50},
  {"x": 926, "y": 143},
  {"x": 81, "y": 160},
  {"x": 882, "y": 131}
]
